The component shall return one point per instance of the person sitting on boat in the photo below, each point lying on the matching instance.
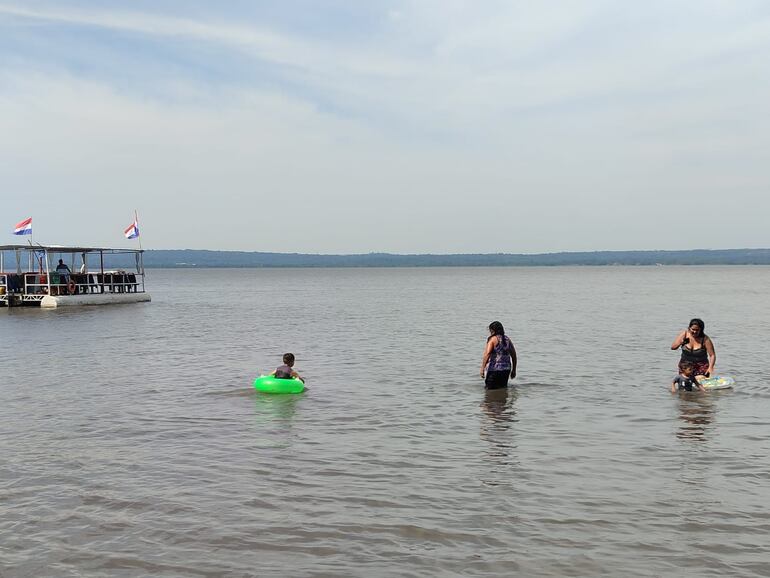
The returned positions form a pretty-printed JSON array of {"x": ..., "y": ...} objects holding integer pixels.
[{"x": 286, "y": 370}]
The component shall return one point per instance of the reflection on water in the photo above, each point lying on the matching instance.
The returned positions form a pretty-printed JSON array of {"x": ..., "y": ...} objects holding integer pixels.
[
  {"x": 498, "y": 406},
  {"x": 498, "y": 416},
  {"x": 696, "y": 413},
  {"x": 269, "y": 407}
]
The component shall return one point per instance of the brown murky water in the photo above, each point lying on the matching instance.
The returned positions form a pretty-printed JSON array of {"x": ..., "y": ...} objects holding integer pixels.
[{"x": 132, "y": 443}]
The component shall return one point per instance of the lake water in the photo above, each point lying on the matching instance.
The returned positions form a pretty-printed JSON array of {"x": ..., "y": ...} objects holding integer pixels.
[{"x": 132, "y": 443}]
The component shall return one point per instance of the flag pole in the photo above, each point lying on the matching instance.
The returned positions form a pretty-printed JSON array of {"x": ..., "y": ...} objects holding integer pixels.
[{"x": 136, "y": 220}]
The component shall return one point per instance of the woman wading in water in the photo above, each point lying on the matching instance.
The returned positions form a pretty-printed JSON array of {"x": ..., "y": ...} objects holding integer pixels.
[
  {"x": 697, "y": 349},
  {"x": 499, "y": 361}
]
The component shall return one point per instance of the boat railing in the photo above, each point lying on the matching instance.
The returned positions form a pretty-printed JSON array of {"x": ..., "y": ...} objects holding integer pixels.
[
  {"x": 83, "y": 283},
  {"x": 115, "y": 282},
  {"x": 12, "y": 282},
  {"x": 35, "y": 284}
]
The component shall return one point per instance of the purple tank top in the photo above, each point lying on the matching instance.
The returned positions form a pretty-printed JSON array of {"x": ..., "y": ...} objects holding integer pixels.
[{"x": 500, "y": 359}]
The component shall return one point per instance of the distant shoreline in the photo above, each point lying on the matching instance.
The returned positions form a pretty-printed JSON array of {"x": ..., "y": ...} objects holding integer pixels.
[{"x": 195, "y": 258}]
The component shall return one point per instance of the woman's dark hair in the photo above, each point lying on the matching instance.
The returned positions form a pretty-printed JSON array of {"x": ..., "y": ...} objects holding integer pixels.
[
  {"x": 699, "y": 323},
  {"x": 497, "y": 328}
]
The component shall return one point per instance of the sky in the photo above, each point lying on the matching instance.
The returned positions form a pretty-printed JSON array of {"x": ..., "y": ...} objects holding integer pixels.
[{"x": 432, "y": 126}]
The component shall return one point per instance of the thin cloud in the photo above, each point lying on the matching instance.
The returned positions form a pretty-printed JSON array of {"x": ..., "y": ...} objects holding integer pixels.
[
  {"x": 481, "y": 63},
  {"x": 275, "y": 48}
]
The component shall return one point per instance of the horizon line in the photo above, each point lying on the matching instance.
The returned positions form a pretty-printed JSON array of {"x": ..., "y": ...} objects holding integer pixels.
[{"x": 469, "y": 254}]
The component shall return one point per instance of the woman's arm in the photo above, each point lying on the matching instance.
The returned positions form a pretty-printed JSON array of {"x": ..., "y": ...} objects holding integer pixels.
[
  {"x": 680, "y": 340},
  {"x": 487, "y": 353},
  {"x": 711, "y": 353},
  {"x": 514, "y": 360}
]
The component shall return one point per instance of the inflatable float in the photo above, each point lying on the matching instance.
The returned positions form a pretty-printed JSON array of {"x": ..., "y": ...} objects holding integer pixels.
[
  {"x": 272, "y": 384},
  {"x": 717, "y": 382}
]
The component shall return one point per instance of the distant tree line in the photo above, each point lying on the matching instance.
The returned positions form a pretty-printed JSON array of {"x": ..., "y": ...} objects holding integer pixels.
[{"x": 202, "y": 258}]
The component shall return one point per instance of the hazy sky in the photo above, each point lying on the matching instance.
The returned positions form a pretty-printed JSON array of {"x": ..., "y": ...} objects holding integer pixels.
[{"x": 408, "y": 127}]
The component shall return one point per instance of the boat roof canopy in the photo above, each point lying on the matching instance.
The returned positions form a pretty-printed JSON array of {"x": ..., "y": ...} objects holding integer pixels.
[{"x": 63, "y": 249}]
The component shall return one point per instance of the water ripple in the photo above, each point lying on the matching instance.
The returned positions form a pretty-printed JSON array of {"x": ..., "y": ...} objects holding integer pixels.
[{"x": 143, "y": 450}]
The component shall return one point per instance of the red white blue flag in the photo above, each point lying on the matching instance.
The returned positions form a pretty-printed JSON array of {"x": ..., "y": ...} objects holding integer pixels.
[
  {"x": 23, "y": 228},
  {"x": 133, "y": 230}
]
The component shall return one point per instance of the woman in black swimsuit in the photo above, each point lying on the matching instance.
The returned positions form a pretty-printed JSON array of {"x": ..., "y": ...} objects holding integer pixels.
[{"x": 697, "y": 349}]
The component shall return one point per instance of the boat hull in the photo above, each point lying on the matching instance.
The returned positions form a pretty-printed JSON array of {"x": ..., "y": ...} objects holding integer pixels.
[{"x": 51, "y": 301}]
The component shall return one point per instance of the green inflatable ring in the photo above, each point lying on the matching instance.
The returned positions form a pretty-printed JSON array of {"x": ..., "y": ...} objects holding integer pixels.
[{"x": 271, "y": 384}]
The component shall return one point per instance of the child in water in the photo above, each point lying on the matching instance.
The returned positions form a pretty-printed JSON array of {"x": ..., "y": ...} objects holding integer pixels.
[
  {"x": 285, "y": 371},
  {"x": 687, "y": 380}
]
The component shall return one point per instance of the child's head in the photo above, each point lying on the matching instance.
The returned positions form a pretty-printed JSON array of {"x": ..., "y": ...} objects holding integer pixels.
[
  {"x": 288, "y": 359},
  {"x": 687, "y": 369}
]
